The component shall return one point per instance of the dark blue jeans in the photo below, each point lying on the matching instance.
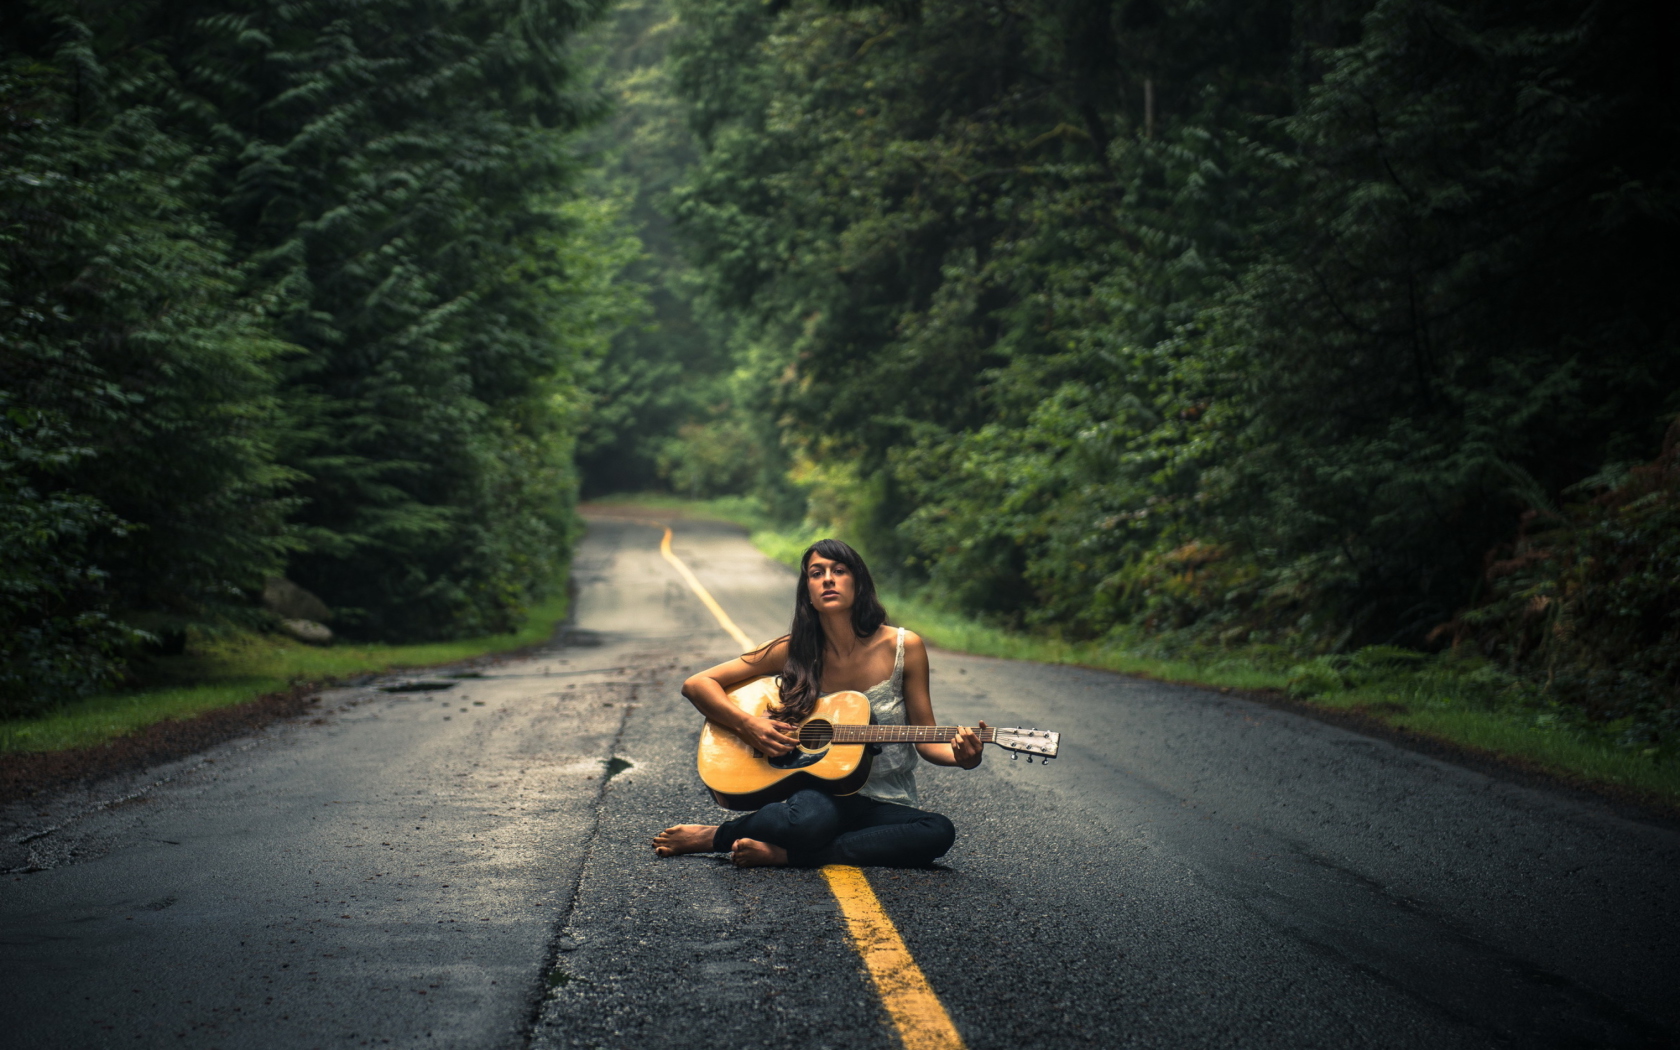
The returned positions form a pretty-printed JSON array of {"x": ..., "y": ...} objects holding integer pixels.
[{"x": 818, "y": 829}]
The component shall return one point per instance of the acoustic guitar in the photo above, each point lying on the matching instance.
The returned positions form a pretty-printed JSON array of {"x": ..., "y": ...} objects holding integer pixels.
[{"x": 833, "y": 753}]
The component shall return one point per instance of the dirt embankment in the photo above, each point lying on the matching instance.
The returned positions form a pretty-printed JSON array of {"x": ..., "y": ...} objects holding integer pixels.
[{"x": 24, "y": 774}]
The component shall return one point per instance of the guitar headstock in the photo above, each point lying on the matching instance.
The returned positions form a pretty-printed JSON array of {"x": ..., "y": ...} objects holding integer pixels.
[{"x": 1029, "y": 742}]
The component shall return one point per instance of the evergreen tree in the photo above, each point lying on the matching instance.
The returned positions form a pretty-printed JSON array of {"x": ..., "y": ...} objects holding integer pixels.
[
  {"x": 391, "y": 172},
  {"x": 137, "y": 482},
  {"x": 299, "y": 287}
]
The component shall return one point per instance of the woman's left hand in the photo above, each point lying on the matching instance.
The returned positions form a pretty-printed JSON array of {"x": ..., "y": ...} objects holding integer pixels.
[{"x": 966, "y": 746}]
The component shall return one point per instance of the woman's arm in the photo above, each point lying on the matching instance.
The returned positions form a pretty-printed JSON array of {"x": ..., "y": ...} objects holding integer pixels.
[
  {"x": 964, "y": 751},
  {"x": 706, "y": 691}
]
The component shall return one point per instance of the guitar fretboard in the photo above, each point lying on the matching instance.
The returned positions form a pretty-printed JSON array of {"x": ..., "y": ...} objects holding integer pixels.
[{"x": 903, "y": 734}]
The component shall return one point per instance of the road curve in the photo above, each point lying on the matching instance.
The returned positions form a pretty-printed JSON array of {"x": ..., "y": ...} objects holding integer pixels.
[{"x": 1197, "y": 870}]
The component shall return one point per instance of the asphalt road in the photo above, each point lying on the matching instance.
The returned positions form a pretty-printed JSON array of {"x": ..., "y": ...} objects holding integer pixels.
[{"x": 469, "y": 868}]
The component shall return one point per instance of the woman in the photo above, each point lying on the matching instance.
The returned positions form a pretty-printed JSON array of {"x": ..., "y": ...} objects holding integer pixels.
[{"x": 839, "y": 640}]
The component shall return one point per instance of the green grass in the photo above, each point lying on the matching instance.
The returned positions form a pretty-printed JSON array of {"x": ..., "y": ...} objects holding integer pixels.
[
  {"x": 1584, "y": 758},
  {"x": 1461, "y": 702},
  {"x": 237, "y": 668}
]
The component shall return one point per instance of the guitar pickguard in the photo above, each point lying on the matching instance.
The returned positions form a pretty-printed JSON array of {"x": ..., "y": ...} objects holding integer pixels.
[{"x": 797, "y": 759}]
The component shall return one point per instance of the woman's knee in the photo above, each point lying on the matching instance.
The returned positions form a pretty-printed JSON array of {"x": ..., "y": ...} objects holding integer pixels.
[
  {"x": 938, "y": 834},
  {"x": 920, "y": 842},
  {"x": 812, "y": 819}
]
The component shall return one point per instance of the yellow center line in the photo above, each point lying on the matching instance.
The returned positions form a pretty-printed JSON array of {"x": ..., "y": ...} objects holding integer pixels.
[
  {"x": 700, "y": 592},
  {"x": 915, "y": 1010}
]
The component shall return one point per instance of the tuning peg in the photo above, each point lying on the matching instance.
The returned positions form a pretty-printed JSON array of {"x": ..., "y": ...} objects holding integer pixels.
[{"x": 1016, "y": 755}]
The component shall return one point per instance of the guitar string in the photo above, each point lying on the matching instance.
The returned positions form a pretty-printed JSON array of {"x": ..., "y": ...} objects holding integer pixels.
[
  {"x": 809, "y": 736},
  {"x": 988, "y": 731},
  {"x": 891, "y": 730}
]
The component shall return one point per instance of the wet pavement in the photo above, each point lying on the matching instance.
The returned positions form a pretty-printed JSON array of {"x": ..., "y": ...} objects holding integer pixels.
[{"x": 468, "y": 867}]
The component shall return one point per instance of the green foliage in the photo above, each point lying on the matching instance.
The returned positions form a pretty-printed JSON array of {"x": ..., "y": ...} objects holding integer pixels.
[
  {"x": 289, "y": 286},
  {"x": 136, "y": 445},
  {"x": 1436, "y": 352},
  {"x": 666, "y": 376},
  {"x": 1584, "y": 600},
  {"x": 391, "y": 169},
  {"x": 1238, "y": 324},
  {"x": 711, "y": 459},
  {"x": 59, "y": 634}
]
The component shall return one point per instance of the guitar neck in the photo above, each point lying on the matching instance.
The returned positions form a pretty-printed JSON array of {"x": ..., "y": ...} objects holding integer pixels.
[{"x": 873, "y": 734}]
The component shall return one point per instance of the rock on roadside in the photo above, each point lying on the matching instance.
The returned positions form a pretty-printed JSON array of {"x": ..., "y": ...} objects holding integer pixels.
[
  {"x": 307, "y": 631},
  {"x": 288, "y": 601}
]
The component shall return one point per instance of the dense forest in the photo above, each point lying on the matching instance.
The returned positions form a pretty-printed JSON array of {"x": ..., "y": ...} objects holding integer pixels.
[
  {"x": 303, "y": 288},
  {"x": 1306, "y": 326},
  {"x": 1313, "y": 325}
]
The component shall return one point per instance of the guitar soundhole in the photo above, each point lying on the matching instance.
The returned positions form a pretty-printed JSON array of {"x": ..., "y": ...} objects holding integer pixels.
[
  {"x": 816, "y": 734},
  {"x": 814, "y": 738}
]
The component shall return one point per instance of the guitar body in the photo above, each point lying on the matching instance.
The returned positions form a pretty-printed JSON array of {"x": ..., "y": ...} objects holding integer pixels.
[{"x": 741, "y": 778}]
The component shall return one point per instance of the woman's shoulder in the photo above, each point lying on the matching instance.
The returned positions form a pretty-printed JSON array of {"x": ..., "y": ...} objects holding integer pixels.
[
  {"x": 771, "y": 655},
  {"x": 912, "y": 640}
]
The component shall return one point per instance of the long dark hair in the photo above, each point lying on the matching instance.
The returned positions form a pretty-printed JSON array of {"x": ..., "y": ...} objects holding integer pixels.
[{"x": 807, "y": 645}]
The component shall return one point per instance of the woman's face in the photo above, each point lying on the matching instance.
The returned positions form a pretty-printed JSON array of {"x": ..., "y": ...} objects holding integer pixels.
[{"x": 831, "y": 585}]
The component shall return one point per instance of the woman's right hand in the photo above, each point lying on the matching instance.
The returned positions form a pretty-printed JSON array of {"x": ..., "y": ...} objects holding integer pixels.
[{"x": 768, "y": 736}]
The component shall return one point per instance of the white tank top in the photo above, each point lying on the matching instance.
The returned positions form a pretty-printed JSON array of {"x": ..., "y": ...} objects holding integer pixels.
[{"x": 892, "y": 778}]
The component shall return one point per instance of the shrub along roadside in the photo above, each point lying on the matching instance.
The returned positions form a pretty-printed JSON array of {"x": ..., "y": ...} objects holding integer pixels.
[
  {"x": 238, "y": 668},
  {"x": 1455, "y": 698}
]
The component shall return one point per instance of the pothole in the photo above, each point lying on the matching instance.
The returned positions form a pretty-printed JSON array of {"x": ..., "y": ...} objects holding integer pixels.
[
  {"x": 418, "y": 687},
  {"x": 605, "y": 768}
]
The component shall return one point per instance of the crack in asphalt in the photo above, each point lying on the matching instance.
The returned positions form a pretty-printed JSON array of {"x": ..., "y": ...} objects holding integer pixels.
[{"x": 610, "y": 767}]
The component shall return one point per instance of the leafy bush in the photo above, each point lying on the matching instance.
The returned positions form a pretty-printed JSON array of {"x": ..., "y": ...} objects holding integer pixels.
[
  {"x": 59, "y": 639},
  {"x": 715, "y": 458},
  {"x": 1585, "y": 602}
]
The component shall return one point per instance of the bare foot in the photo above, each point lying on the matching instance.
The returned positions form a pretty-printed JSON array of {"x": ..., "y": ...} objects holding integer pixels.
[
  {"x": 751, "y": 853},
  {"x": 684, "y": 838}
]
